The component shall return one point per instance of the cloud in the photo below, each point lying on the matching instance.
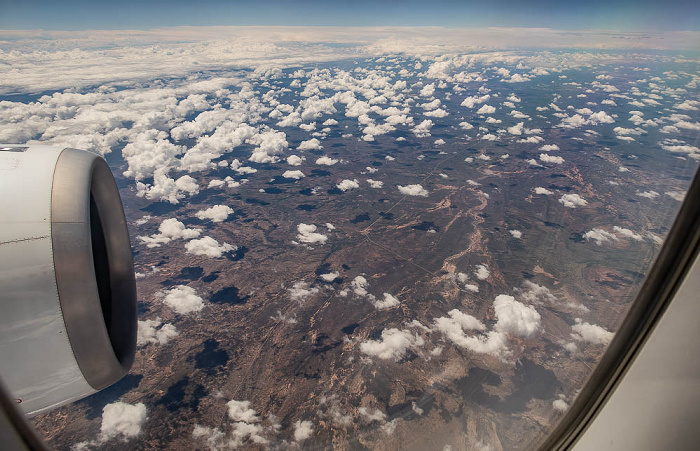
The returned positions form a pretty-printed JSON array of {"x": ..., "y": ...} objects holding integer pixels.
[
  {"x": 482, "y": 272},
  {"x": 241, "y": 411},
  {"x": 486, "y": 109},
  {"x": 326, "y": 161},
  {"x": 302, "y": 430},
  {"x": 648, "y": 194},
  {"x": 516, "y": 234},
  {"x": 534, "y": 293},
  {"x": 422, "y": 130},
  {"x": 600, "y": 236},
  {"x": 560, "y": 405},
  {"x": 217, "y": 213},
  {"x": 152, "y": 331},
  {"x": 472, "y": 101},
  {"x": 209, "y": 247},
  {"x": 393, "y": 344},
  {"x": 294, "y": 160},
  {"x": 549, "y": 147},
  {"x": 515, "y": 318},
  {"x": 311, "y": 144},
  {"x": 591, "y": 333},
  {"x": 168, "y": 230},
  {"x": 388, "y": 302},
  {"x": 347, "y": 185},
  {"x": 428, "y": 90},
  {"x": 122, "y": 420},
  {"x": 413, "y": 190},
  {"x": 183, "y": 300},
  {"x": 542, "y": 191},
  {"x": 375, "y": 183},
  {"x": 296, "y": 175},
  {"x": 572, "y": 200},
  {"x": 546, "y": 158},
  {"x": 270, "y": 144},
  {"x": 627, "y": 233},
  {"x": 308, "y": 235},
  {"x": 300, "y": 291},
  {"x": 330, "y": 277}
]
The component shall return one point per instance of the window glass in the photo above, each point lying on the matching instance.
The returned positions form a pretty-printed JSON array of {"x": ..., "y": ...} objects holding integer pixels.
[{"x": 365, "y": 238}]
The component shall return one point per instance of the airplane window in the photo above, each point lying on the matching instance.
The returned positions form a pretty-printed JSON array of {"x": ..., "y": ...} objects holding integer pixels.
[{"x": 364, "y": 238}]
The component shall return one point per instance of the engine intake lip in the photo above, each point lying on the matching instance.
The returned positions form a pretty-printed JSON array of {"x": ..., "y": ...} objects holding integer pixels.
[{"x": 93, "y": 266}]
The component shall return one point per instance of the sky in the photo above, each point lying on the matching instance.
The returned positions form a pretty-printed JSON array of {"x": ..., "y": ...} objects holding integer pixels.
[{"x": 624, "y": 15}]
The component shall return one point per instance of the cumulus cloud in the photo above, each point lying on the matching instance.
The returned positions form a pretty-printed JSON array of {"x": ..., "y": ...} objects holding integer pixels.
[
  {"x": 375, "y": 183},
  {"x": 486, "y": 109},
  {"x": 300, "y": 291},
  {"x": 208, "y": 247},
  {"x": 303, "y": 430},
  {"x": 546, "y": 158},
  {"x": 311, "y": 144},
  {"x": 152, "y": 331},
  {"x": 422, "y": 130},
  {"x": 413, "y": 190},
  {"x": 572, "y": 200},
  {"x": 347, "y": 185},
  {"x": 308, "y": 235},
  {"x": 122, "y": 420},
  {"x": 590, "y": 333},
  {"x": 542, "y": 191},
  {"x": 296, "y": 175},
  {"x": 241, "y": 411},
  {"x": 326, "y": 161},
  {"x": 183, "y": 300},
  {"x": 217, "y": 213},
  {"x": 294, "y": 160},
  {"x": 393, "y": 344},
  {"x": 515, "y": 318},
  {"x": 627, "y": 233},
  {"x": 168, "y": 230},
  {"x": 516, "y": 234},
  {"x": 482, "y": 272},
  {"x": 388, "y": 302},
  {"x": 330, "y": 277}
]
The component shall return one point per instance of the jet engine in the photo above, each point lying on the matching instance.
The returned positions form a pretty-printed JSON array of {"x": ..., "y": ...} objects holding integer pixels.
[{"x": 67, "y": 287}]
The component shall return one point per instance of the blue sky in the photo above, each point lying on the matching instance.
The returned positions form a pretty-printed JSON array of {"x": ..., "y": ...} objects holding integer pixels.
[{"x": 627, "y": 15}]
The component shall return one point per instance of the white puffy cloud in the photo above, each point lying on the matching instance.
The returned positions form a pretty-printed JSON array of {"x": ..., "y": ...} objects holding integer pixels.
[
  {"x": 422, "y": 130},
  {"x": 330, "y": 277},
  {"x": 303, "y": 430},
  {"x": 388, "y": 302},
  {"x": 393, "y": 344},
  {"x": 573, "y": 200},
  {"x": 428, "y": 90},
  {"x": 472, "y": 101},
  {"x": 153, "y": 331},
  {"x": 217, "y": 213},
  {"x": 560, "y": 405},
  {"x": 515, "y": 318},
  {"x": 346, "y": 185},
  {"x": 600, "y": 236},
  {"x": 648, "y": 194},
  {"x": 542, "y": 191},
  {"x": 547, "y": 158},
  {"x": 311, "y": 144},
  {"x": 294, "y": 160},
  {"x": 296, "y": 175},
  {"x": 241, "y": 411},
  {"x": 413, "y": 190},
  {"x": 627, "y": 233},
  {"x": 482, "y": 272},
  {"x": 486, "y": 109},
  {"x": 122, "y": 420},
  {"x": 516, "y": 233},
  {"x": 209, "y": 247},
  {"x": 308, "y": 235},
  {"x": 591, "y": 333},
  {"x": 270, "y": 144},
  {"x": 326, "y": 161},
  {"x": 549, "y": 147},
  {"x": 375, "y": 183},
  {"x": 183, "y": 300},
  {"x": 300, "y": 291},
  {"x": 168, "y": 230}
]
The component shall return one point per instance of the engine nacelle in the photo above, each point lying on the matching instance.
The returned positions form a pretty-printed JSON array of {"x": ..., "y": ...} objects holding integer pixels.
[{"x": 67, "y": 286}]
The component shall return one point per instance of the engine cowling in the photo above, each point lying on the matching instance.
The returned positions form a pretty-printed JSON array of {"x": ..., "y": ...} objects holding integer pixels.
[{"x": 67, "y": 286}]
